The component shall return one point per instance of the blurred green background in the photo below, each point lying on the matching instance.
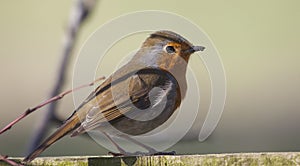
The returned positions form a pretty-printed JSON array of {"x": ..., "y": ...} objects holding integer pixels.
[{"x": 258, "y": 43}]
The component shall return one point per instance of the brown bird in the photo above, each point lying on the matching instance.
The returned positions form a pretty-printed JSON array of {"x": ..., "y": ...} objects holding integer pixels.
[{"x": 138, "y": 97}]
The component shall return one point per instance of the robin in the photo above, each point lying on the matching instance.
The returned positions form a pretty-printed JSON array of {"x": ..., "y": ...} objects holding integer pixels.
[{"x": 138, "y": 97}]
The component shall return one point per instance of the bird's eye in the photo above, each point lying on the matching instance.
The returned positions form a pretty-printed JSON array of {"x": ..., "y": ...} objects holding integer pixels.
[{"x": 170, "y": 49}]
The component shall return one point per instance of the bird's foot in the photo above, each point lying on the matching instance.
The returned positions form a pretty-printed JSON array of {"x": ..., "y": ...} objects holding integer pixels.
[
  {"x": 116, "y": 154},
  {"x": 138, "y": 153},
  {"x": 165, "y": 153}
]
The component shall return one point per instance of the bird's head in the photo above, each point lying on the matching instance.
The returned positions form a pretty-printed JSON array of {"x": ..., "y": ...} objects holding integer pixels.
[{"x": 166, "y": 49}]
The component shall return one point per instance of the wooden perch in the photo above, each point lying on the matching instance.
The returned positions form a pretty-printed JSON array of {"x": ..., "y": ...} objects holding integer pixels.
[{"x": 282, "y": 158}]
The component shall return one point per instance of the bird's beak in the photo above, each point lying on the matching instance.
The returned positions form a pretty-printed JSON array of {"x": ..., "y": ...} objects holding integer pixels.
[
  {"x": 198, "y": 48},
  {"x": 195, "y": 49}
]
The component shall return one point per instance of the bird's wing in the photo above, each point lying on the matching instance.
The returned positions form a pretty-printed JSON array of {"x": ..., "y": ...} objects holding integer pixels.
[{"x": 113, "y": 100}]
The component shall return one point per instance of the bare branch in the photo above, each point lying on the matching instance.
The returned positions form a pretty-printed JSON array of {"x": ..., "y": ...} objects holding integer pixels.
[
  {"x": 80, "y": 12},
  {"x": 55, "y": 98},
  {"x": 10, "y": 162}
]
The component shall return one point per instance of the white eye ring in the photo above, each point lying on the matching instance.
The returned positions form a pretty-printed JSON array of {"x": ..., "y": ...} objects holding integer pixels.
[{"x": 170, "y": 49}]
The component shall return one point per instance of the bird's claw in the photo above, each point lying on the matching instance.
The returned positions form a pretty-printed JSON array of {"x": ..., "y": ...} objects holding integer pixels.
[
  {"x": 116, "y": 154},
  {"x": 165, "y": 153},
  {"x": 138, "y": 153}
]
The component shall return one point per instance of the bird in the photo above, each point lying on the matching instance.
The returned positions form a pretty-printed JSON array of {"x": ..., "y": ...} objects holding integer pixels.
[{"x": 138, "y": 97}]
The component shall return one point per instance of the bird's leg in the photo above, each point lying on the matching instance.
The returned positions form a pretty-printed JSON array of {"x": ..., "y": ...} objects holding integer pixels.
[
  {"x": 121, "y": 150},
  {"x": 150, "y": 149}
]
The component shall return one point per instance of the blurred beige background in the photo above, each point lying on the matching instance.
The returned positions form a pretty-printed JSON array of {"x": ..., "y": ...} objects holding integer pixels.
[{"x": 258, "y": 42}]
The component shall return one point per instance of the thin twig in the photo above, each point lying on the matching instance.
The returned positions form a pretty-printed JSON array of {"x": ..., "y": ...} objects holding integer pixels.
[
  {"x": 8, "y": 161},
  {"x": 55, "y": 98},
  {"x": 80, "y": 12}
]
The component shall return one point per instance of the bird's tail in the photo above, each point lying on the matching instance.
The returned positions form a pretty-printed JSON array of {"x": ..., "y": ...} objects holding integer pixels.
[{"x": 68, "y": 126}]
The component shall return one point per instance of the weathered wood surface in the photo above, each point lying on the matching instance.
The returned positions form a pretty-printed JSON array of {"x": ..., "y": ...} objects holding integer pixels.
[{"x": 251, "y": 159}]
